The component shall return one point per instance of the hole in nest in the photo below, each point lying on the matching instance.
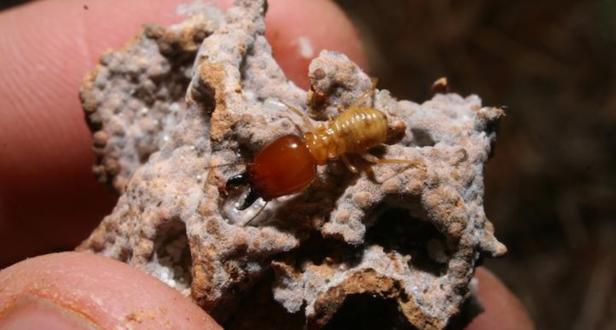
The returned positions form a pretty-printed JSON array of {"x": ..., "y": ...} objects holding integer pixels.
[
  {"x": 257, "y": 309},
  {"x": 422, "y": 138},
  {"x": 172, "y": 262},
  {"x": 205, "y": 94},
  {"x": 146, "y": 147},
  {"x": 244, "y": 66},
  {"x": 397, "y": 230},
  {"x": 367, "y": 311},
  {"x": 319, "y": 250},
  {"x": 470, "y": 309}
]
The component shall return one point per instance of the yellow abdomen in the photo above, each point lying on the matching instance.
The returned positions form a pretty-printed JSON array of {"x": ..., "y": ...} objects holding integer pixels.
[{"x": 354, "y": 131}]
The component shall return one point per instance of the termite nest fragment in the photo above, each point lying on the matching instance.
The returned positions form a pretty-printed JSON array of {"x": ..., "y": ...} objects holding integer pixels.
[{"x": 207, "y": 91}]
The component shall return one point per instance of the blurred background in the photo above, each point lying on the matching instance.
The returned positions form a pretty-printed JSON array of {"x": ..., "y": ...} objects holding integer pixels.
[{"x": 551, "y": 184}]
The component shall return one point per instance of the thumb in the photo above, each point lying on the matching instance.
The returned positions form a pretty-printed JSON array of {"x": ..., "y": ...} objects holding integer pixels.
[
  {"x": 49, "y": 198},
  {"x": 82, "y": 291}
]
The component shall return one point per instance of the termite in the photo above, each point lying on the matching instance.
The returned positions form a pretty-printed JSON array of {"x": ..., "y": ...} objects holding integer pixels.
[{"x": 288, "y": 164}]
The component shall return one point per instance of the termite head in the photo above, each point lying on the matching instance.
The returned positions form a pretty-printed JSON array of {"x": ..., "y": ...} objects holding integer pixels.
[{"x": 283, "y": 167}]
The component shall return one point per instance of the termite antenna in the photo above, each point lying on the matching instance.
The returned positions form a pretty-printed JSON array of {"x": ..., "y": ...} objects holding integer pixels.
[
  {"x": 302, "y": 115},
  {"x": 256, "y": 214},
  {"x": 407, "y": 164},
  {"x": 226, "y": 164}
]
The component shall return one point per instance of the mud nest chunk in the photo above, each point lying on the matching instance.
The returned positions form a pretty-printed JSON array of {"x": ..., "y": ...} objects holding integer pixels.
[{"x": 207, "y": 91}]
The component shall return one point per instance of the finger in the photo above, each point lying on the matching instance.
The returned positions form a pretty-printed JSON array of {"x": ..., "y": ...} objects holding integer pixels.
[
  {"x": 77, "y": 290},
  {"x": 502, "y": 309},
  {"x": 48, "y": 196},
  {"x": 299, "y": 30}
]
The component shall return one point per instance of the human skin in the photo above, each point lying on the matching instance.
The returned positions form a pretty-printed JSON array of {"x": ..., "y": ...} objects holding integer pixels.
[{"x": 49, "y": 199}]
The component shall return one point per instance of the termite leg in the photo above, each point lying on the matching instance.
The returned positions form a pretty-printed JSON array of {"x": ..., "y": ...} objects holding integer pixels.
[
  {"x": 302, "y": 114},
  {"x": 256, "y": 214},
  {"x": 348, "y": 164},
  {"x": 410, "y": 163},
  {"x": 224, "y": 164},
  {"x": 370, "y": 158}
]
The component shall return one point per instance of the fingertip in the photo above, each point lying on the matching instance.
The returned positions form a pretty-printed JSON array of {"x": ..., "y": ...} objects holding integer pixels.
[
  {"x": 502, "y": 309},
  {"x": 298, "y": 30},
  {"x": 79, "y": 288}
]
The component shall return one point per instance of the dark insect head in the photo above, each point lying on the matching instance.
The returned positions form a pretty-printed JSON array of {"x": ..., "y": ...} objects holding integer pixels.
[{"x": 243, "y": 179}]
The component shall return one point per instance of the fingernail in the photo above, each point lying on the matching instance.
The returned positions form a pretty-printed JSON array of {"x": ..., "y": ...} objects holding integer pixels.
[{"x": 40, "y": 313}]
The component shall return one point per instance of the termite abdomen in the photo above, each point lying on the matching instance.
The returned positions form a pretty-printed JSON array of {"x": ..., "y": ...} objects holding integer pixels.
[{"x": 354, "y": 131}]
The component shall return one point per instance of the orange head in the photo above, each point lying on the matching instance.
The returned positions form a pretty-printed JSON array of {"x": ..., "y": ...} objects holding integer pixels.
[{"x": 283, "y": 167}]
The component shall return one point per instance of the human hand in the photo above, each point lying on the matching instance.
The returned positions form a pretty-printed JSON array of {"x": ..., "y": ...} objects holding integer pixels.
[{"x": 49, "y": 199}]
